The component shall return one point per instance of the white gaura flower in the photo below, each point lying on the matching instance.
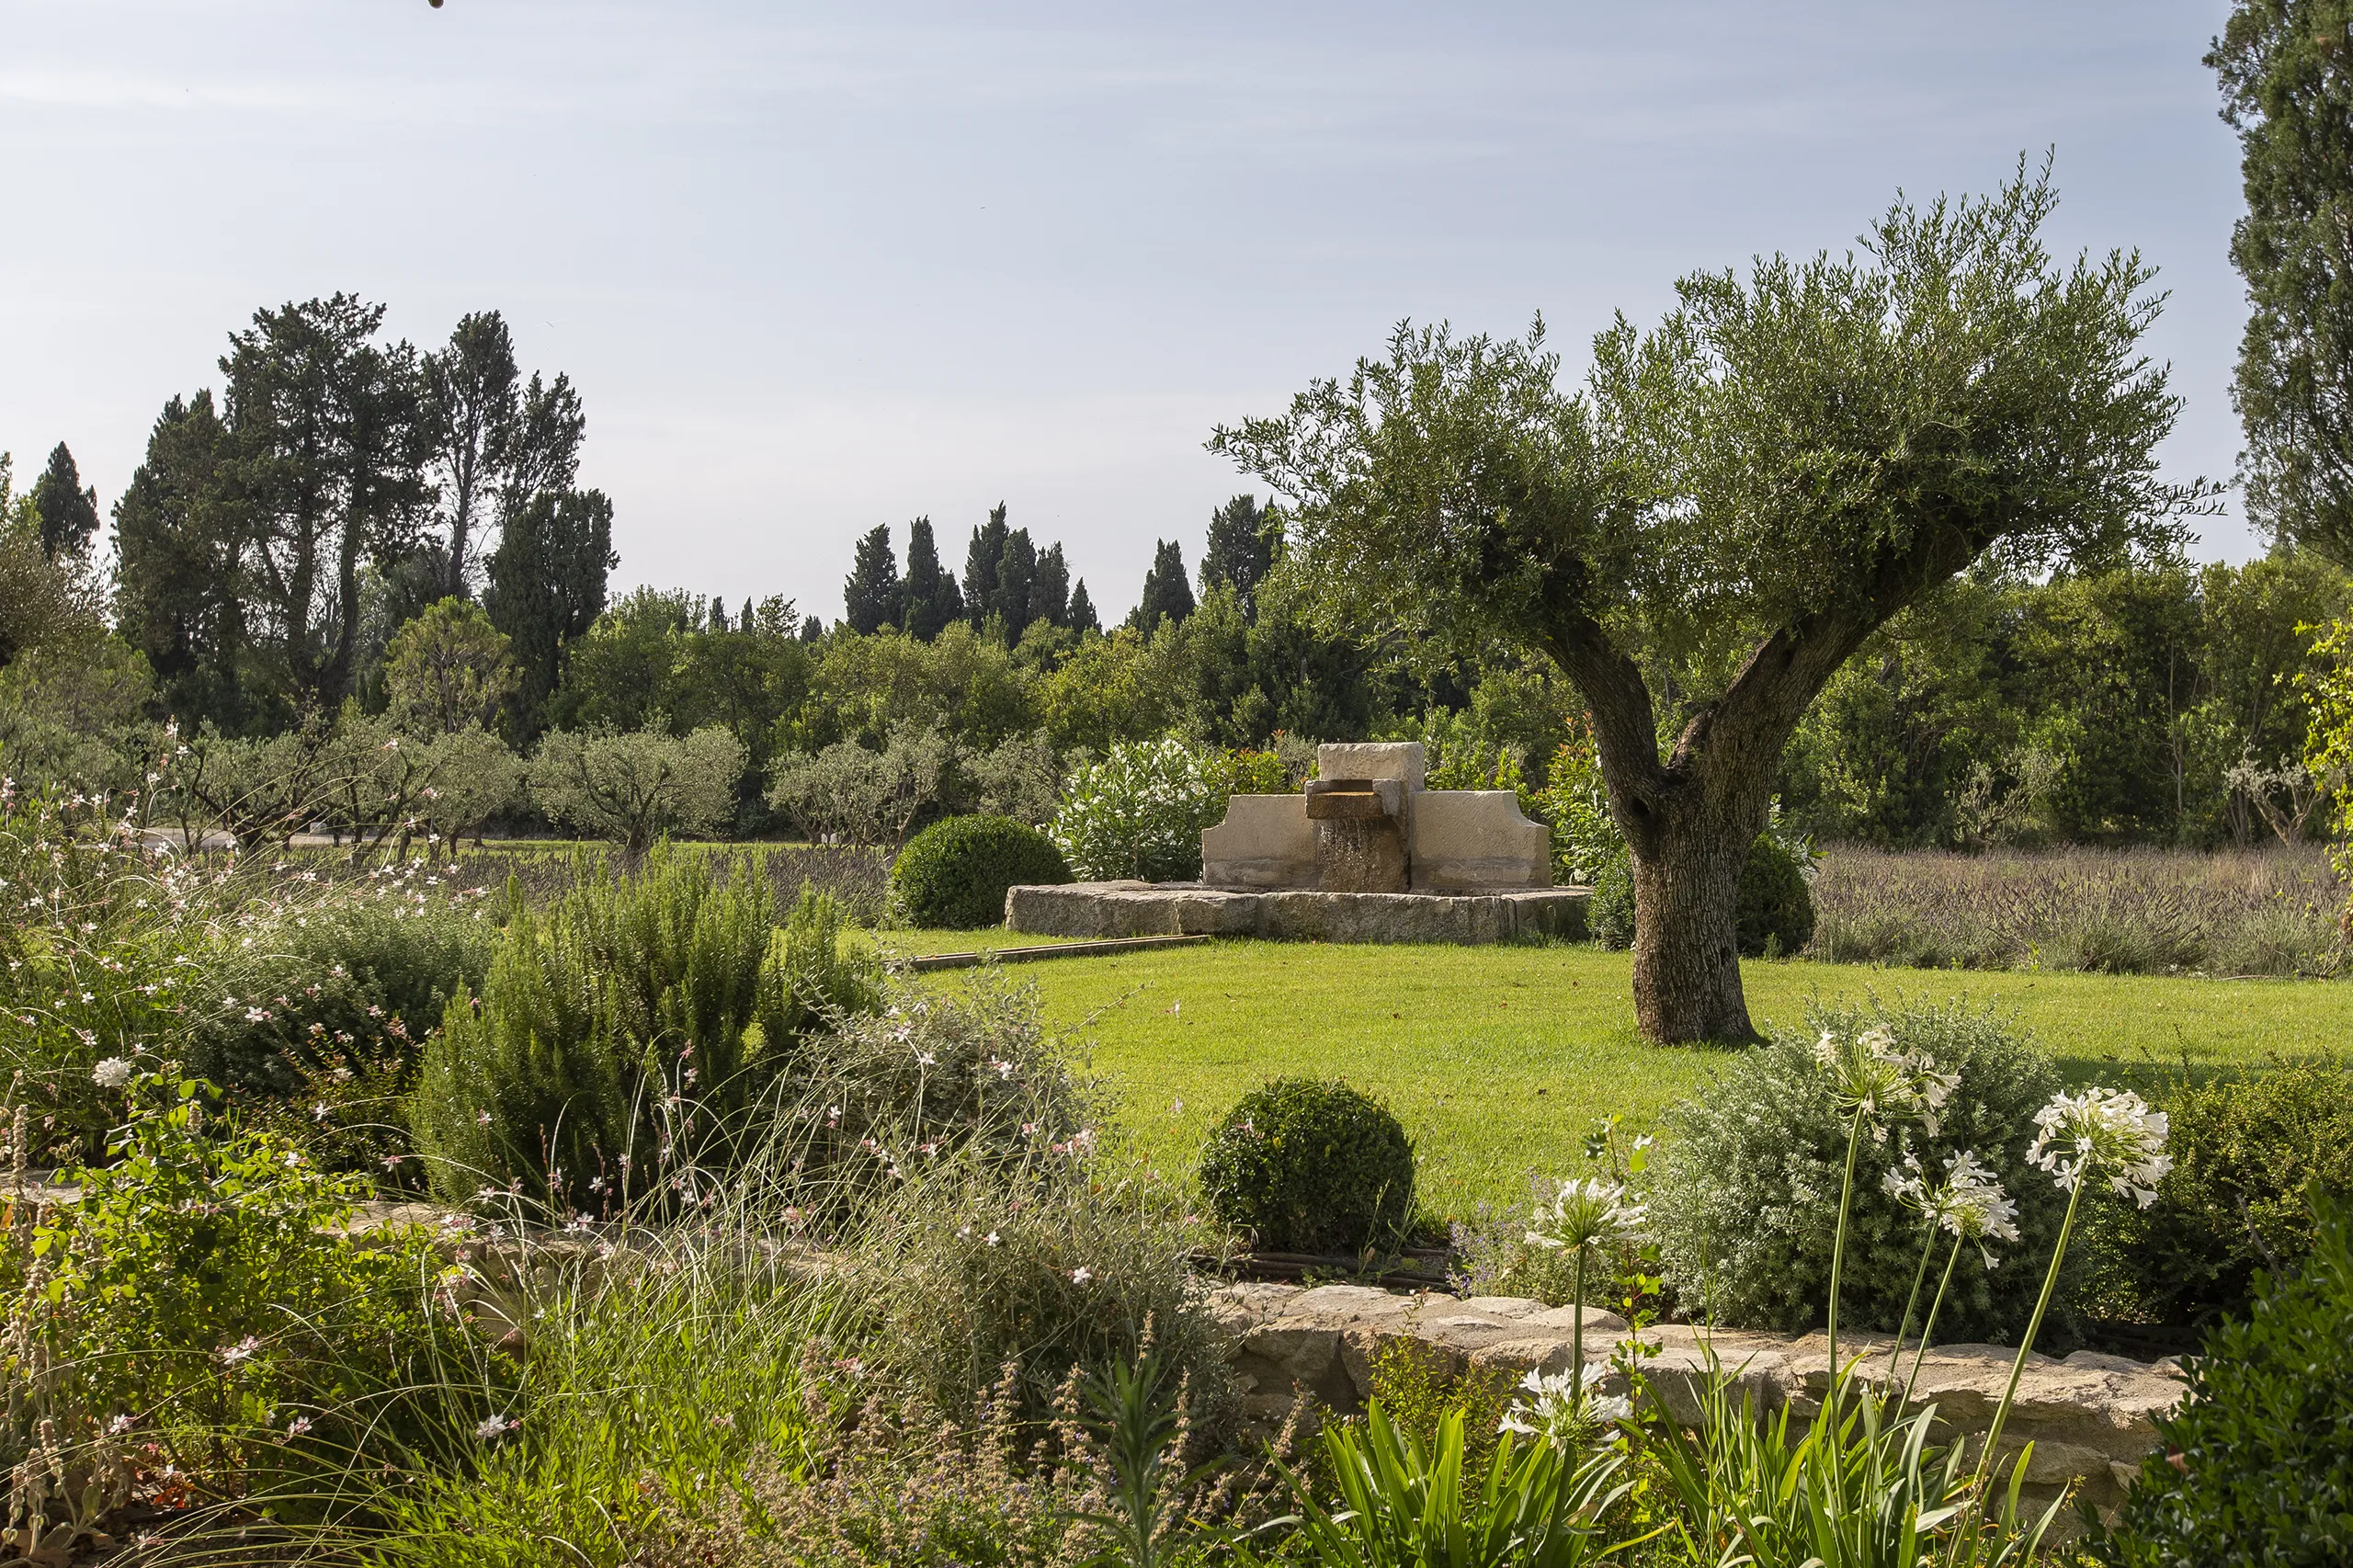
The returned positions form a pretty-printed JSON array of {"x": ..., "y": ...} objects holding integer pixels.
[
  {"x": 493, "y": 1427},
  {"x": 2104, "y": 1132},
  {"x": 1585, "y": 1214}
]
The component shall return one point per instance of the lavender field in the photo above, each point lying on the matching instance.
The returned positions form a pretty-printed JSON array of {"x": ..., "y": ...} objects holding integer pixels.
[{"x": 2256, "y": 912}]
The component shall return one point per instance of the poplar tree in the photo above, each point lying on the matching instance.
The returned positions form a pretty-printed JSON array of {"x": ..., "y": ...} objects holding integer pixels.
[{"x": 2286, "y": 69}]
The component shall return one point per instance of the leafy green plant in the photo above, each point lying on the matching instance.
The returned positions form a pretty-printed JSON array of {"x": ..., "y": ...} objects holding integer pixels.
[
  {"x": 1774, "y": 912},
  {"x": 1742, "y": 1197},
  {"x": 955, "y": 872},
  {"x": 1139, "y": 812},
  {"x": 1402, "y": 1504},
  {"x": 1311, "y": 1166},
  {"x": 2248, "y": 1151},
  {"x": 203, "y": 1304},
  {"x": 626, "y": 1032},
  {"x": 2257, "y": 1466},
  {"x": 1010, "y": 1282},
  {"x": 1609, "y": 913}
]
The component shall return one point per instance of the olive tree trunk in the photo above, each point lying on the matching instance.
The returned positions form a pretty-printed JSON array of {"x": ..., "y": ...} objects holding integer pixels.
[{"x": 1687, "y": 869}]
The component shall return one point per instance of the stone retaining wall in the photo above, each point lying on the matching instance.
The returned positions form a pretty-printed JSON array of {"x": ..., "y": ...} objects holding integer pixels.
[
  {"x": 1166, "y": 909},
  {"x": 2089, "y": 1415}
]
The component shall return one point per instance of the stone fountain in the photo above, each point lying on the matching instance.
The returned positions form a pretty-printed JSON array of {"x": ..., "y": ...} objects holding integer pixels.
[{"x": 1365, "y": 854}]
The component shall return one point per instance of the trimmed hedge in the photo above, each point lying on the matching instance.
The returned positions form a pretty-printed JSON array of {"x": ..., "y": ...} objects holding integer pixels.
[
  {"x": 1311, "y": 1166},
  {"x": 953, "y": 874}
]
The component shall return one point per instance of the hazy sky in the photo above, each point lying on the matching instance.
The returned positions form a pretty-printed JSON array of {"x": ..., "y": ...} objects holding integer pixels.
[{"x": 816, "y": 270}]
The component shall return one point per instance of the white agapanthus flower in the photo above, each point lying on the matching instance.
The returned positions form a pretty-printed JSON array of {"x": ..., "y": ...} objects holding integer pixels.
[
  {"x": 1970, "y": 1202},
  {"x": 1547, "y": 1406},
  {"x": 112, "y": 1073},
  {"x": 1872, "y": 1073},
  {"x": 2109, "y": 1132},
  {"x": 1586, "y": 1213}
]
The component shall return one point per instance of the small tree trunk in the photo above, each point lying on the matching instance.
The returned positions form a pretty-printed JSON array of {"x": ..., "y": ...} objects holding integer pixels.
[{"x": 1686, "y": 887}]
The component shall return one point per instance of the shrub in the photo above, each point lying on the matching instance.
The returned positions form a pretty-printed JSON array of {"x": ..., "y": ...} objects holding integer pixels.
[
  {"x": 2265, "y": 1435},
  {"x": 1775, "y": 912},
  {"x": 626, "y": 1032},
  {"x": 935, "y": 1078},
  {"x": 1311, "y": 1166},
  {"x": 362, "y": 979},
  {"x": 1609, "y": 913},
  {"x": 202, "y": 1299},
  {"x": 1744, "y": 1196},
  {"x": 1141, "y": 812},
  {"x": 2246, "y": 1151},
  {"x": 954, "y": 874},
  {"x": 972, "y": 1278}
]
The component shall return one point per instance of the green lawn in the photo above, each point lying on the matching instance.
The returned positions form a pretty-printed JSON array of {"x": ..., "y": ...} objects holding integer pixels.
[{"x": 1500, "y": 1058}]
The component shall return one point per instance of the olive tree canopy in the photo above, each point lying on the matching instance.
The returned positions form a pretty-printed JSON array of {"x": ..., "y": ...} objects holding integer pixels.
[{"x": 1734, "y": 500}]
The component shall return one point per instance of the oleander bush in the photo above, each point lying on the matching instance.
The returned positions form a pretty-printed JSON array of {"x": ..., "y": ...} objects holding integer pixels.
[
  {"x": 954, "y": 874},
  {"x": 1743, "y": 1198},
  {"x": 1140, "y": 812},
  {"x": 2265, "y": 1434},
  {"x": 2249, "y": 1152},
  {"x": 1311, "y": 1166}
]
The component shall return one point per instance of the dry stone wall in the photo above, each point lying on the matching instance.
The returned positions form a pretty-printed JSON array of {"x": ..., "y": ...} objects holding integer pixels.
[{"x": 2090, "y": 1417}]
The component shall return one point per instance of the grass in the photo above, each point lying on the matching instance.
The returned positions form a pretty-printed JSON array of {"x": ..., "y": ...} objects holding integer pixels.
[{"x": 1500, "y": 1058}]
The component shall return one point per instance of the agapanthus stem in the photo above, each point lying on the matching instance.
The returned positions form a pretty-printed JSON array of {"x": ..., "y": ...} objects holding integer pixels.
[
  {"x": 2034, "y": 1324},
  {"x": 1576, "y": 1341},
  {"x": 1903, "y": 1324},
  {"x": 1838, "y": 1259},
  {"x": 1929, "y": 1328}
]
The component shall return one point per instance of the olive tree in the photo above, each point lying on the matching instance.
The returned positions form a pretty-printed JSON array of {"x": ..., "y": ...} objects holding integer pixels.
[
  {"x": 1731, "y": 503},
  {"x": 634, "y": 786}
]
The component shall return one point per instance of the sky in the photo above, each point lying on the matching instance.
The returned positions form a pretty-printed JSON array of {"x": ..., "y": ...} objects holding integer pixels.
[{"x": 814, "y": 269}]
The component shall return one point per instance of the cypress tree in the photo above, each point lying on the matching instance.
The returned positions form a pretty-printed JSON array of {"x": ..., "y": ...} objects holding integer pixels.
[
  {"x": 981, "y": 561},
  {"x": 1242, "y": 545},
  {"x": 1168, "y": 593},
  {"x": 931, "y": 599},
  {"x": 870, "y": 594},
  {"x": 69, "y": 514},
  {"x": 1050, "y": 590},
  {"x": 1017, "y": 573},
  {"x": 813, "y": 628},
  {"x": 547, "y": 583},
  {"x": 1082, "y": 610}
]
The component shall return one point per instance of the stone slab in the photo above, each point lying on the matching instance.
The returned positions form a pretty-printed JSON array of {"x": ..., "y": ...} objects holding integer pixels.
[
  {"x": 1401, "y": 760},
  {"x": 2090, "y": 1417},
  {"x": 1266, "y": 841},
  {"x": 1477, "y": 840},
  {"x": 1161, "y": 909}
]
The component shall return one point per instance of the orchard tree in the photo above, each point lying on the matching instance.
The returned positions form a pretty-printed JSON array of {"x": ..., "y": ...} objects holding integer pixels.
[{"x": 1738, "y": 498}]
